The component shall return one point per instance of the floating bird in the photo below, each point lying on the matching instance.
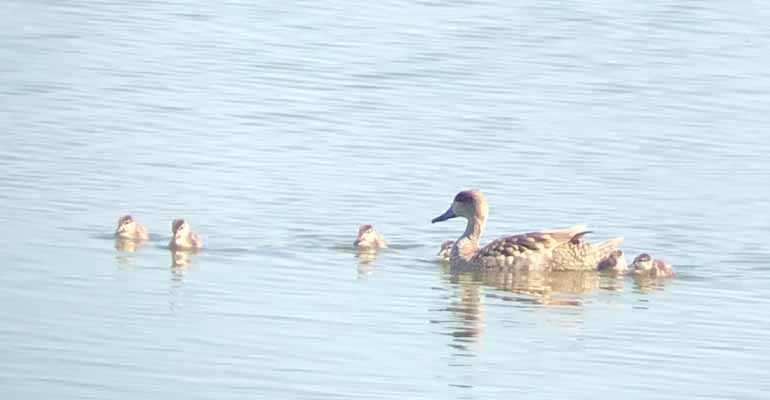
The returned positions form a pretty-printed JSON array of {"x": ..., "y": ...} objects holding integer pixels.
[
  {"x": 128, "y": 228},
  {"x": 445, "y": 252},
  {"x": 645, "y": 265},
  {"x": 183, "y": 238},
  {"x": 368, "y": 238},
  {"x": 561, "y": 249},
  {"x": 614, "y": 263}
]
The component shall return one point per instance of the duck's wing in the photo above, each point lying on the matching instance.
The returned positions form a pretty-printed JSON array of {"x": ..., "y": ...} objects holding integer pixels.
[
  {"x": 141, "y": 232},
  {"x": 531, "y": 242},
  {"x": 196, "y": 240}
]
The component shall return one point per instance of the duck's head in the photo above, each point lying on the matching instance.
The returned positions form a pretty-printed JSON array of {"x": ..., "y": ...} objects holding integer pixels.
[
  {"x": 180, "y": 228},
  {"x": 126, "y": 225},
  {"x": 469, "y": 204},
  {"x": 614, "y": 262},
  {"x": 642, "y": 263},
  {"x": 367, "y": 237}
]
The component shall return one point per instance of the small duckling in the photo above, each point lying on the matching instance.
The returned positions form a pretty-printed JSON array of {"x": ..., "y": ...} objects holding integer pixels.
[
  {"x": 128, "y": 228},
  {"x": 645, "y": 265},
  {"x": 614, "y": 263},
  {"x": 368, "y": 238},
  {"x": 446, "y": 250},
  {"x": 183, "y": 237}
]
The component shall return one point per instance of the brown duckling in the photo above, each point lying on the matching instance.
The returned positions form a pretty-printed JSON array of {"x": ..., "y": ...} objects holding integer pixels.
[
  {"x": 445, "y": 253},
  {"x": 645, "y": 265},
  {"x": 615, "y": 263},
  {"x": 368, "y": 238},
  {"x": 128, "y": 228},
  {"x": 183, "y": 237}
]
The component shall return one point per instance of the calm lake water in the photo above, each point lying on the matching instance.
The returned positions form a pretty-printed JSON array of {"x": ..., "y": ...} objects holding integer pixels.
[{"x": 277, "y": 128}]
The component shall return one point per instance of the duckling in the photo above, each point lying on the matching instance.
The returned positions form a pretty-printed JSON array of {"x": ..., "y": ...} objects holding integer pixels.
[
  {"x": 183, "y": 237},
  {"x": 368, "y": 238},
  {"x": 645, "y": 265},
  {"x": 128, "y": 228},
  {"x": 446, "y": 250},
  {"x": 615, "y": 263}
]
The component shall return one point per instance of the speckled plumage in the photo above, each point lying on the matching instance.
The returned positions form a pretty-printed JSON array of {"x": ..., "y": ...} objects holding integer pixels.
[{"x": 555, "y": 250}]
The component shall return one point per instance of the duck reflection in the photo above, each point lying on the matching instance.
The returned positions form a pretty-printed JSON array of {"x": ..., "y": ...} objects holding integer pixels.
[
  {"x": 546, "y": 288},
  {"x": 467, "y": 308},
  {"x": 558, "y": 288}
]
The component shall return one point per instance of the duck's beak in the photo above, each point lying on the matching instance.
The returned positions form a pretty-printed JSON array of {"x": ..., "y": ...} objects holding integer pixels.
[{"x": 445, "y": 216}]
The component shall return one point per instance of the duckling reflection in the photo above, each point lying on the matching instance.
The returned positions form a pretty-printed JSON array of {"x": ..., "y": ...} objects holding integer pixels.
[
  {"x": 127, "y": 245},
  {"x": 366, "y": 257},
  {"x": 182, "y": 258}
]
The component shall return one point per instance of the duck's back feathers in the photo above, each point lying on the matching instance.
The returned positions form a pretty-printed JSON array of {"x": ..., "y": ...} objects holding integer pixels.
[
  {"x": 582, "y": 255},
  {"x": 527, "y": 250}
]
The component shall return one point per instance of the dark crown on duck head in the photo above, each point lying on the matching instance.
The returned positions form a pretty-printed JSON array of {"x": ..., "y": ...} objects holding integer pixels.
[
  {"x": 643, "y": 257},
  {"x": 466, "y": 196},
  {"x": 176, "y": 224},
  {"x": 125, "y": 218}
]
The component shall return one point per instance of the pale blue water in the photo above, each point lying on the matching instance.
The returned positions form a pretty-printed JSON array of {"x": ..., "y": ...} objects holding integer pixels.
[{"x": 278, "y": 128}]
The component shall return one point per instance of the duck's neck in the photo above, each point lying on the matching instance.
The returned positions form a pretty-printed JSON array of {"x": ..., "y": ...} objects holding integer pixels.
[{"x": 468, "y": 244}]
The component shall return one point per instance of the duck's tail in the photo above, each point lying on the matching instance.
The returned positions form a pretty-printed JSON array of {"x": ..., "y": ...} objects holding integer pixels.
[
  {"x": 564, "y": 235},
  {"x": 608, "y": 246}
]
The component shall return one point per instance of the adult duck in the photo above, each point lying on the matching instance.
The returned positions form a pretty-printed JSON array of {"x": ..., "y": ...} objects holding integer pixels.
[{"x": 554, "y": 250}]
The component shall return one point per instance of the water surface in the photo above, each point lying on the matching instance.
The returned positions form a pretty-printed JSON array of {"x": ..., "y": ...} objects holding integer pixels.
[{"x": 277, "y": 128}]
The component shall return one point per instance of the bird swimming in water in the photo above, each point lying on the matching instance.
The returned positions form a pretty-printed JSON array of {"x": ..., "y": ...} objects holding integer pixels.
[
  {"x": 445, "y": 252},
  {"x": 614, "y": 263},
  {"x": 369, "y": 238},
  {"x": 129, "y": 229},
  {"x": 183, "y": 238},
  {"x": 645, "y": 265},
  {"x": 554, "y": 250}
]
